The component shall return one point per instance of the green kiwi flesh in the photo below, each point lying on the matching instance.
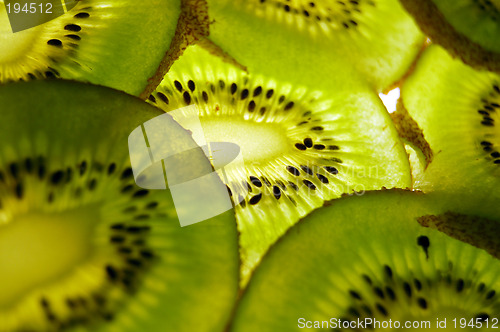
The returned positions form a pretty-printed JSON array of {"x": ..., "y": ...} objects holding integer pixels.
[
  {"x": 300, "y": 145},
  {"x": 377, "y": 39},
  {"x": 468, "y": 29},
  {"x": 457, "y": 109},
  {"x": 368, "y": 257},
  {"x": 119, "y": 44},
  {"x": 81, "y": 246}
]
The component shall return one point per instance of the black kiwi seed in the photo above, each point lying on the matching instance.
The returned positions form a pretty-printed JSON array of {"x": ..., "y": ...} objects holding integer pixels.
[
  {"x": 54, "y": 42},
  {"x": 255, "y": 181},
  {"x": 382, "y": 309},
  {"x": 74, "y": 37},
  {"x": 127, "y": 173},
  {"x": 28, "y": 164},
  {"x": 331, "y": 170},
  {"x": 407, "y": 288},
  {"x": 322, "y": 178},
  {"x": 355, "y": 295},
  {"x": 111, "y": 168},
  {"x": 234, "y": 88},
  {"x": 117, "y": 239},
  {"x": 57, "y": 177},
  {"x": 244, "y": 94},
  {"x": 306, "y": 169},
  {"x": 111, "y": 272},
  {"x": 300, "y": 146},
  {"x": 276, "y": 192},
  {"x": 269, "y": 93},
  {"x": 460, "y": 285},
  {"x": 141, "y": 193},
  {"x": 187, "y": 97},
  {"x": 255, "y": 199},
  {"x": 251, "y": 106},
  {"x": 92, "y": 184},
  {"x": 390, "y": 293},
  {"x": 127, "y": 188},
  {"x": 308, "y": 142},
  {"x": 309, "y": 184},
  {"x": 425, "y": 243},
  {"x": 83, "y": 167},
  {"x": 257, "y": 91},
  {"x": 422, "y": 303},
  {"x": 14, "y": 170},
  {"x": 82, "y": 15},
  {"x": 289, "y": 106},
  {"x": 388, "y": 271},
  {"x": 73, "y": 27},
  {"x": 152, "y": 205},
  {"x": 163, "y": 97},
  {"x": 379, "y": 292},
  {"x": 293, "y": 170},
  {"x": 178, "y": 86},
  {"x": 191, "y": 85},
  {"x": 19, "y": 191}
]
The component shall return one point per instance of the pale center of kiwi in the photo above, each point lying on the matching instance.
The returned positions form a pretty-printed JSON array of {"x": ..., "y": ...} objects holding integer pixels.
[
  {"x": 36, "y": 248},
  {"x": 257, "y": 141},
  {"x": 19, "y": 42}
]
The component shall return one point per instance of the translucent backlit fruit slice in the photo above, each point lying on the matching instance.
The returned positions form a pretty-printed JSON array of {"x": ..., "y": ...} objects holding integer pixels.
[
  {"x": 121, "y": 43},
  {"x": 458, "y": 109},
  {"x": 300, "y": 145},
  {"x": 366, "y": 259},
  {"x": 81, "y": 245},
  {"x": 376, "y": 38}
]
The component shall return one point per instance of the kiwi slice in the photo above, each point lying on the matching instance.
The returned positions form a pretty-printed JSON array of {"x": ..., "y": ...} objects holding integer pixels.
[
  {"x": 457, "y": 109},
  {"x": 300, "y": 145},
  {"x": 81, "y": 246},
  {"x": 468, "y": 29},
  {"x": 375, "y": 37},
  {"x": 119, "y": 43},
  {"x": 368, "y": 258}
]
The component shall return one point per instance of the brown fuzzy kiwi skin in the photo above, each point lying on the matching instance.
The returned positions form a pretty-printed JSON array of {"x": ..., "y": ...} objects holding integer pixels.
[
  {"x": 409, "y": 130},
  {"x": 433, "y": 23},
  {"x": 477, "y": 231},
  {"x": 192, "y": 27}
]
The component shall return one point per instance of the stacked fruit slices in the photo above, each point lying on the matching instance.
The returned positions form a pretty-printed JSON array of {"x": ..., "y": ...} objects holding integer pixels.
[{"x": 309, "y": 133}]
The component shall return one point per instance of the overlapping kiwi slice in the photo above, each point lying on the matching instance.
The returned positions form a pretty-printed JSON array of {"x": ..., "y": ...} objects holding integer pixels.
[
  {"x": 81, "y": 246},
  {"x": 468, "y": 29},
  {"x": 122, "y": 44},
  {"x": 300, "y": 146},
  {"x": 375, "y": 37},
  {"x": 368, "y": 258},
  {"x": 457, "y": 109}
]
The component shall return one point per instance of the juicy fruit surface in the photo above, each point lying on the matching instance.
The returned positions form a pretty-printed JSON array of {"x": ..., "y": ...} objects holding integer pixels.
[
  {"x": 367, "y": 257},
  {"x": 300, "y": 146},
  {"x": 81, "y": 245},
  {"x": 459, "y": 119},
  {"x": 376, "y": 38},
  {"x": 104, "y": 42}
]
